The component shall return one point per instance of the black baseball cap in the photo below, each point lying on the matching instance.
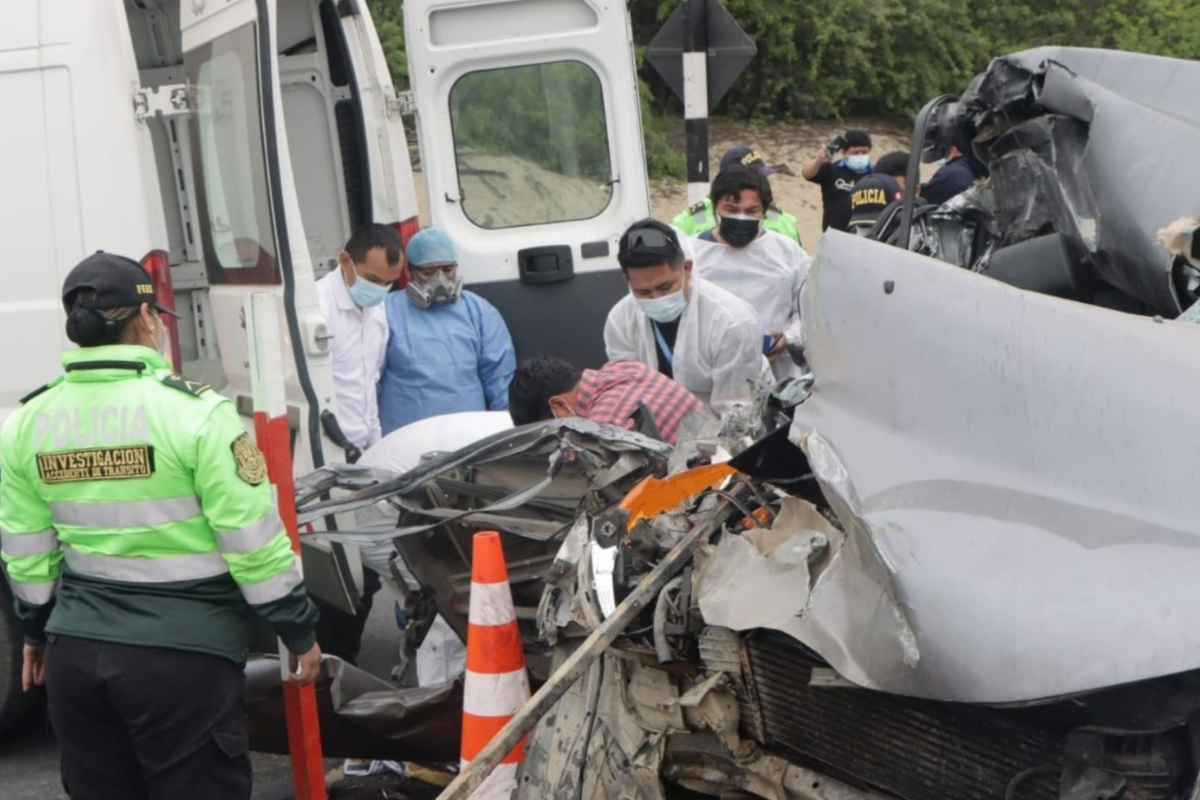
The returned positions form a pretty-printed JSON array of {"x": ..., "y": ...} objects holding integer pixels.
[
  {"x": 871, "y": 195},
  {"x": 746, "y": 156},
  {"x": 648, "y": 243},
  {"x": 117, "y": 281}
]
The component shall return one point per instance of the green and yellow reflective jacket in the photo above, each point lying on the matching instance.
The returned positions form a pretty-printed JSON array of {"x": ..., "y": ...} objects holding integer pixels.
[
  {"x": 135, "y": 509},
  {"x": 700, "y": 218}
]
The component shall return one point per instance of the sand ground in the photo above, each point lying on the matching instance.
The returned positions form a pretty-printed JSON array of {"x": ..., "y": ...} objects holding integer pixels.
[{"x": 786, "y": 146}]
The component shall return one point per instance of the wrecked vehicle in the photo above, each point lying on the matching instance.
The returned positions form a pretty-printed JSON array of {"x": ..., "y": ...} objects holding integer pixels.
[
  {"x": 961, "y": 570},
  {"x": 530, "y": 484},
  {"x": 958, "y": 565},
  {"x": 1074, "y": 197},
  {"x": 987, "y": 598}
]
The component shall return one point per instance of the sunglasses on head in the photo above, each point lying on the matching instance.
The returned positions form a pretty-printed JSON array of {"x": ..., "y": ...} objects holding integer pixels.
[{"x": 650, "y": 239}]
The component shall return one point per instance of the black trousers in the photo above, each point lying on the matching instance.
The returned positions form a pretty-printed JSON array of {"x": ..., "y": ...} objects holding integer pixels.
[
  {"x": 146, "y": 723},
  {"x": 340, "y": 634}
]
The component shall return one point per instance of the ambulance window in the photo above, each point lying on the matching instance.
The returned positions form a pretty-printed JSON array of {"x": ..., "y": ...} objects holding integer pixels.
[
  {"x": 231, "y": 171},
  {"x": 531, "y": 144}
]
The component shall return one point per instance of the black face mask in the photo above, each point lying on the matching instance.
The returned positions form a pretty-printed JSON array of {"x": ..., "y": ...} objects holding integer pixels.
[{"x": 740, "y": 231}]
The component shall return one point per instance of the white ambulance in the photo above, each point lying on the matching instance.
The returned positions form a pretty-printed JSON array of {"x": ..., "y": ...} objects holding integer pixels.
[{"x": 233, "y": 145}]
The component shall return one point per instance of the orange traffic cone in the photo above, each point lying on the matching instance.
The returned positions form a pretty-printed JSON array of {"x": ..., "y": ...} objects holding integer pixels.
[{"x": 496, "y": 683}]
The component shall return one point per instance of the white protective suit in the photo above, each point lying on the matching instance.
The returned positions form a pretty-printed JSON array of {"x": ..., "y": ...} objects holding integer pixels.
[
  {"x": 767, "y": 274},
  {"x": 441, "y": 656},
  {"x": 718, "y": 350}
]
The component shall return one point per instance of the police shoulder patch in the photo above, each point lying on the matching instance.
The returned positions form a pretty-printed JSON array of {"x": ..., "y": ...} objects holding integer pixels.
[
  {"x": 251, "y": 466},
  {"x": 194, "y": 388}
]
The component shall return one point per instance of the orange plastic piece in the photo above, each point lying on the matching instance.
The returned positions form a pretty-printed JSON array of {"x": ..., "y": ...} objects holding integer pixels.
[
  {"x": 652, "y": 496},
  {"x": 761, "y": 515}
]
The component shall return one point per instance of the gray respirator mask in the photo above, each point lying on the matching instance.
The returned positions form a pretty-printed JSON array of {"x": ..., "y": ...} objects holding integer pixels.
[{"x": 440, "y": 291}]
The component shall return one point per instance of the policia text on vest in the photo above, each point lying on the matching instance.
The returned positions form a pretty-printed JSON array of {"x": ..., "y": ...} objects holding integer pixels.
[
  {"x": 173, "y": 499},
  {"x": 140, "y": 536}
]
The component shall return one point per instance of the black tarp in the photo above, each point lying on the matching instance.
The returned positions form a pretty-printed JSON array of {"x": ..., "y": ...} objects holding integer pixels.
[{"x": 361, "y": 716}]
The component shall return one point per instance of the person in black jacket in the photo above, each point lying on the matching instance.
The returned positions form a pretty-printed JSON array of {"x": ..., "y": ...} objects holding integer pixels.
[{"x": 958, "y": 174}]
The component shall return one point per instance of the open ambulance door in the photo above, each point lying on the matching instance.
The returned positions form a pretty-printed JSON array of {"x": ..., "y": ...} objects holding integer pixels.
[
  {"x": 388, "y": 184},
  {"x": 529, "y": 128},
  {"x": 251, "y": 231}
]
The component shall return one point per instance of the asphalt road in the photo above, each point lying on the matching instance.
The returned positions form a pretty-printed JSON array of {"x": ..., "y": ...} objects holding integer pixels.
[{"x": 29, "y": 755}]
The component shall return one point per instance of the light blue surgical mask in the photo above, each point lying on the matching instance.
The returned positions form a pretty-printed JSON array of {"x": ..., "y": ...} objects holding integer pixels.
[
  {"x": 859, "y": 163},
  {"x": 367, "y": 294},
  {"x": 667, "y": 308}
]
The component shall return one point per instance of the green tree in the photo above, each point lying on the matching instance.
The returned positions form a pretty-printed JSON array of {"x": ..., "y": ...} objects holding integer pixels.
[
  {"x": 830, "y": 58},
  {"x": 389, "y": 25}
]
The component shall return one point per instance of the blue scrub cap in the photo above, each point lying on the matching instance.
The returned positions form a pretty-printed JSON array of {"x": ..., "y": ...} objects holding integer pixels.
[{"x": 430, "y": 246}]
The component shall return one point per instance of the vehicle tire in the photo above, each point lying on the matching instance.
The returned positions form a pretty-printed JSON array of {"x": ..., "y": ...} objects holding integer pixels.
[{"x": 14, "y": 703}]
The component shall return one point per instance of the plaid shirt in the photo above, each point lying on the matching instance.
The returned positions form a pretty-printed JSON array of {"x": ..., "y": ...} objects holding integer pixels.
[{"x": 612, "y": 394}]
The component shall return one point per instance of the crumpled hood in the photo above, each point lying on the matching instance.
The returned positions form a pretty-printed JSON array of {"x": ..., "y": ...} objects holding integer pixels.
[{"x": 1021, "y": 464}]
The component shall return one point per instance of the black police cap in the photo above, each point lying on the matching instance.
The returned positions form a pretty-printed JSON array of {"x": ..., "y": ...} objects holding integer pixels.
[
  {"x": 745, "y": 156},
  {"x": 117, "y": 281}
]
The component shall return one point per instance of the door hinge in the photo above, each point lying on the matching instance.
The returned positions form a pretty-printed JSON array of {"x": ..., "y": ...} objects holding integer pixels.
[
  {"x": 170, "y": 101},
  {"x": 405, "y": 103}
]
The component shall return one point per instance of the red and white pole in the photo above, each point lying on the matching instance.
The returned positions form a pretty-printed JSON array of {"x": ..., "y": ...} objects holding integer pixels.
[{"x": 264, "y": 332}]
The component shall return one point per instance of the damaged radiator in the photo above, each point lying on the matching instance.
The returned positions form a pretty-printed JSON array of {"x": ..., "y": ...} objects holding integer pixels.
[{"x": 913, "y": 749}]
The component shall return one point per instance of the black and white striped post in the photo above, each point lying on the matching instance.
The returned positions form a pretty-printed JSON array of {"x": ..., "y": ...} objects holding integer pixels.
[
  {"x": 695, "y": 96},
  {"x": 699, "y": 52}
]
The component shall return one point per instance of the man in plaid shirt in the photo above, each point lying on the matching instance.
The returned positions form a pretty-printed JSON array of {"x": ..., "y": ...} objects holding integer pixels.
[{"x": 545, "y": 388}]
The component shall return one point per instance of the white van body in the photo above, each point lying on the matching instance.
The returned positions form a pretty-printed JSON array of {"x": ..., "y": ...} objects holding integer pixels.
[
  {"x": 244, "y": 140},
  {"x": 82, "y": 172},
  {"x": 77, "y": 171},
  {"x": 529, "y": 126}
]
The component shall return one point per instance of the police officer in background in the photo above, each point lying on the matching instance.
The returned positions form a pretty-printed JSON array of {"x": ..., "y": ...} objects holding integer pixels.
[
  {"x": 140, "y": 535},
  {"x": 875, "y": 192},
  {"x": 700, "y": 217}
]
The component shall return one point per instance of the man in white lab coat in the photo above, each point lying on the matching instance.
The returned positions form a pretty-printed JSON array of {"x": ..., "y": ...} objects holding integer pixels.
[
  {"x": 351, "y": 298},
  {"x": 764, "y": 268},
  {"x": 692, "y": 331}
]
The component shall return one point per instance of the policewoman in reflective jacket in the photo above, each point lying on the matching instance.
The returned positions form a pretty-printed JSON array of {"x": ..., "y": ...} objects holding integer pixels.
[{"x": 140, "y": 536}]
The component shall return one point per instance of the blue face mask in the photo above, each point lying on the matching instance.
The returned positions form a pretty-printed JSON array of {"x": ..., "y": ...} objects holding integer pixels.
[
  {"x": 367, "y": 294},
  {"x": 667, "y": 308},
  {"x": 859, "y": 163}
]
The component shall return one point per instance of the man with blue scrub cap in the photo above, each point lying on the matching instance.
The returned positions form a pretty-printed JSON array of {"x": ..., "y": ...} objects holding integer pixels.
[{"x": 448, "y": 349}]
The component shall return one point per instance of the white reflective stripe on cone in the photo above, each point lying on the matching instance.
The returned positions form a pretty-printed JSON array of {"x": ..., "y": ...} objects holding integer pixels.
[
  {"x": 500, "y": 785},
  {"x": 498, "y": 695},
  {"x": 491, "y": 604}
]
